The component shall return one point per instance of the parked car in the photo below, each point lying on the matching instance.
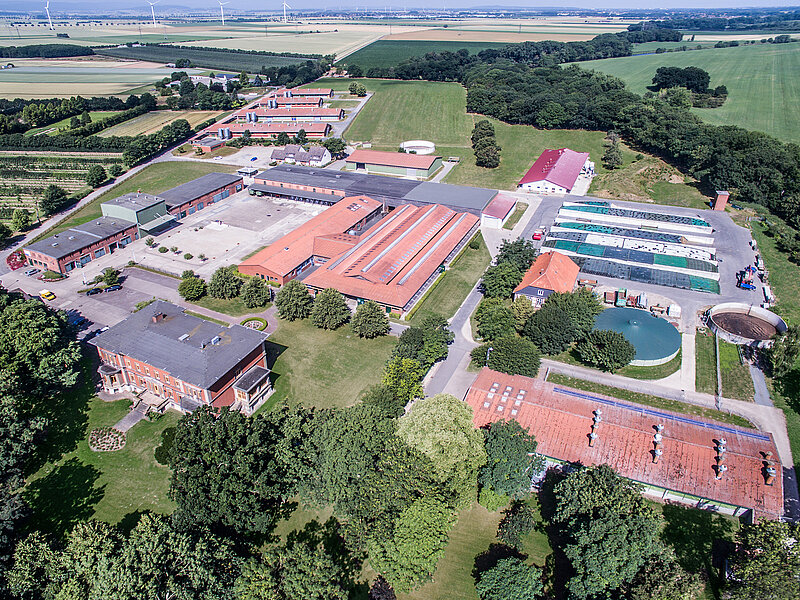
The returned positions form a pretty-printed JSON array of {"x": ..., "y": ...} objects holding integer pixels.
[
  {"x": 113, "y": 288},
  {"x": 737, "y": 207},
  {"x": 78, "y": 321},
  {"x": 94, "y": 291},
  {"x": 47, "y": 295},
  {"x": 32, "y": 272},
  {"x": 255, "y": 158}
]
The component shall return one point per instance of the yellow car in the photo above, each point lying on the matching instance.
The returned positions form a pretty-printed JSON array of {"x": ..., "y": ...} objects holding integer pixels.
[{"x": 47, "y": 295}]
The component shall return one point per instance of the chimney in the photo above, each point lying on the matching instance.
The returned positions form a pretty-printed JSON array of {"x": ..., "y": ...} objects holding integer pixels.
[
  {"x": 158, "y": 316},
  {"x": 721, "y": 200}
]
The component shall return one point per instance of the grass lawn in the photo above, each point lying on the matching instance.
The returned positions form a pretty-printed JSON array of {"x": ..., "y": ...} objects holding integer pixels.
[
  {"x": 648, "y": 400},
  {"x": 234, "y": 307},
  {"x": 762, "y": 81},
  {"x": 784, "y": 276},
  {"x": 519, "y": 210},
  {"x": 706, "y": 368},
  {"x": 736, "y": 381},
  {"x": 458, "y": 280},
  {"x": 154, "y": 179},
  {"x": 571, "y": 357},
  {"x": 647, "y": 180},
  {"x": 52, "y": 129},
  {"x": 82, "y": 484},
  {"x": 322, "y": 368},
  {"x": 388, "y": 53}
]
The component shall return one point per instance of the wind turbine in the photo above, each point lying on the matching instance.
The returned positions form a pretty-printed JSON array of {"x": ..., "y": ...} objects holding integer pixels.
[
  {"x": 285, "y": 6},
  {"x": 153, "y": 11},
  {"x": 47, "y": 9},
  {"x": 222, "y": 11}
]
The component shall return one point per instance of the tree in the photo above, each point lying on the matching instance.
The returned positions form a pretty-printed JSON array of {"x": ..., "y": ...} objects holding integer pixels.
[
  {"x": 403, "y": 377},
  {"x": 487, "y": 157},
  {"x": 110, "y": 276},
  {"x": 370, "y": 320},
  {"x": 407, "y": 556},
  {"x": 353, "y": 88},
  {"x": 381, "y": 590},
  {"x": 330, "y": 311},
  {"x": 521, "y": 309},
  {"x": 293, "y": 301},
  {"x": 612, "y": 157},
  {"x": 74, "y": 123},
  {"x": 518, "y": 521},
  {"x": 54, "y": 199},
  {"x": 5, "y": 232},
  {"x": 510, "y": 579},
  {"x": 354, "y": 71},
  {"x": 766, "y": 563},
  {"x": 255, "y": 293},
  {"x": 510, "y": 461},
  {"x": 282, "y": 139},
  {"x": 361, "y": 90},
  {"x": 606, "y": 349},
  {"x": 427, "y": 342},
  {"x": 509, "y": 354},
  {"x": 520, "y": 252},
  {"x": 301, "y": 137},
  {"x": 192, "y": 288},
  {"x": 493, "y": 319},
  {"x": 665, "y": 579},
  {"x": 336, "y": 146},
  {"x": 500, "y": 280},
  {"x": 551, "y": 329},
  {"x": 115, "y": 170},
  {"x": 783, "y": 353},
  {"x": 20, "y": 219},
  {"x": 581, "y": 306},
  {"x": 225, "y": 283},
  {"x": 482, "y": 129},
  {"x": 96, "y": 176},
  {"x": 441, "y": 428},
  {"x": 609, "y": 530},
  {"x": 86, "y": 118},
  {"x": 244, "y": 80}
]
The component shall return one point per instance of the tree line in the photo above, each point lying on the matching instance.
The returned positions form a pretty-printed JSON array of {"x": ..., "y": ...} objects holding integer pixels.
[{"x": 45, "y": 51}]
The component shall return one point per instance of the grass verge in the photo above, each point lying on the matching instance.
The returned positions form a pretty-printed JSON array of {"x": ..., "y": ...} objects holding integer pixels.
[
  {"x": 736, "y": 381},
  {"x": 206, "y": 318},
  {"x": 706, "y": 364},
  {"x": 571, "y": 357},
  {"x": 519, "y": 210},
  {"x": 234, "y": 307},
  {"x": 648, "y": 400},
  {"x": 456, "y": 284},
  {"x": 323, "y": 369}
]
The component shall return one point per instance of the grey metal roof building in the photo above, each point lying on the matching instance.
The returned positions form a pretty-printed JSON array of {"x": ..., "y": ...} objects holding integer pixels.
[
  {"x": 79, "y": 237},
  {"x": 392, "y": 190},
  {"x": 198, "y": 188},
  {"x": 191, "y": 349}
]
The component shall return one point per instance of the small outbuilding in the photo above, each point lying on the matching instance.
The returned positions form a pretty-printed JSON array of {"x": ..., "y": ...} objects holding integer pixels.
[
  {"x": 551, "y": 272},
  {"x": 497, "y": 212}
]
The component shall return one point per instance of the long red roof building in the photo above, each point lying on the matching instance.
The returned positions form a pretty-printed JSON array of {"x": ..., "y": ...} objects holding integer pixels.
[
  {"x": 560, "y": 168},
  {"x": 561, "y": 419}
]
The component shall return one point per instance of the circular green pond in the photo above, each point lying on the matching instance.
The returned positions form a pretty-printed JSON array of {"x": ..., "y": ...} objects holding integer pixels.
[{"x": 656, "y": 340}]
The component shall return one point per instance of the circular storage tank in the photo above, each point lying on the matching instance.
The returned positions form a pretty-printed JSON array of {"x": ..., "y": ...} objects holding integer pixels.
[
  {"x": 656, "y": 340},
  {"x": 419, "y": 146},
  {"x": 744, "y": 324}
]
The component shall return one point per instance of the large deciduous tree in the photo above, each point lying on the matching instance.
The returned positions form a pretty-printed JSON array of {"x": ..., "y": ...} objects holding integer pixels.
[
  {"x": 427, "y": 342},
  {"x": 293, "y": 301},
  {"x": 551, "y": 329},
  {"x": 493, "y": 319},
  {"x": 370, "y": 320},
  {"x": 54, "y": 199},
  {"x": 609, "y": 530},
  {"x": 606, "y": 349},
  {"x": 441, "y": 428},
  {"x": 403, "y": 377},
  {"x": 192, "y": 288},
  {"x": 510, "y": 579},
  {"x": 255, "y": 293},
  {"x": 225, "y": 283},
  {"x": 330, "y": 311},
  {"x": 510, "y": 459},
  {"x": 511, "y": 354},
  {"x": 500, "y": 280}
]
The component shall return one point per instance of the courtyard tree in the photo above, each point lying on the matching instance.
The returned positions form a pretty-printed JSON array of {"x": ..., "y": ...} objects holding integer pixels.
[
  {"x": 403, "y": 377},
  {"x": 110, "y": 276},
  {"x": 330, "y": 311},
  {"x": 520, "y": 252},
  {"x": 606, "y": 349},
  {"x": 609, "y": 530},
  {"x": 20, "y": 219},
  {"x": 522, "y": 309},
  {"x": 509, "y": 354},
  {"x": 510, "y": 579},
  {"x": 96, "y": 176},
  {"x": 293, "y": 301},
  {"x": 551, "y": 329},
  {"x": 192, "y": 288},
  {"x": 225, "y": 283},
  {"x": 255, "y": 293},
  {"x": 336, "y": 146},
  {"x": 370, "y": 320},
  {"x": 510, "y": 459},
  {"x": 500, "y": 280},
  {"x": 581, "y": 306},
  {"x": 493, "y": 319},
  {"x": 441, "y": 428},
  {"x": 664, "y": 578}
]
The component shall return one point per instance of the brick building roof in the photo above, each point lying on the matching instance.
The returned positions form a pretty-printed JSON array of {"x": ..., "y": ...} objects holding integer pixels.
[
  {"x": 291, "y": 111},
  {"x": 550, "y": 271},
  {"x": 297, "y": 246},
  {"x": 310, "y": 91},
  {"x": 561, "y": 420},
  {"x": 392, "y": 159},
  {"x": 79, "y": 237},
  {"x": 560, "y": 167},
  {"x": 396, "y": 256},
  {"x": 290, "y": 128}
]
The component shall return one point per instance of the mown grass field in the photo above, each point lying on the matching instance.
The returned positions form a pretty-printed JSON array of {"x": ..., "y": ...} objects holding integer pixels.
[
  {"x": 52, "y": 129},
  {"x": 706, "y": 367},
  {"x": 388, "y": 53},
  {"x": 784, "y": 276},
  {"x": 736, "y": 381},
  {"x": 153, "y": 121},
  {"x": 763, "y": 83},
  {"x": 154, "y": 179},
  {"x": 324, "y": 369}
]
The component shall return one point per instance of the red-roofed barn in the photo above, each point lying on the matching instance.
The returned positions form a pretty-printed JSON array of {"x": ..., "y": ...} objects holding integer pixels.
[{"x": 556, "y": 172}]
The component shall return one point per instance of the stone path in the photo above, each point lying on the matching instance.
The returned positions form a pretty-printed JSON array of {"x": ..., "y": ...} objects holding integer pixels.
[{"x": 131, "y": 419}]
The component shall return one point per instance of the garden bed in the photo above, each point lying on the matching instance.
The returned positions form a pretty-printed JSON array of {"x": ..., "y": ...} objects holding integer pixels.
[{"x": 106, "y": 439}]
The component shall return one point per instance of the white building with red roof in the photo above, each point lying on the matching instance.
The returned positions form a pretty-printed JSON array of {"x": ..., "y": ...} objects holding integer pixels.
[{"x": 557, "y": 172}]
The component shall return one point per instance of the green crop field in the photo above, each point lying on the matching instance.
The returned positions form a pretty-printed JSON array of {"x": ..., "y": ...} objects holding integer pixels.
[
  {"x": 52, "y": 129},
  {"x": 763, "y": 83},
  {"x": 155, "y": 120},
  {"x": 387, "y": 53}
]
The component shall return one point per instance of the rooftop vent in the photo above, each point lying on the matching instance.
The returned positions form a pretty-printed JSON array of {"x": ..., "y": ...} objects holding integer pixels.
[
  {"x": 55, "y": 244},
  {"x": 215, "y": 340},
  {"x": 72, "y": 237},
  {"x": 184, "y": 337}
]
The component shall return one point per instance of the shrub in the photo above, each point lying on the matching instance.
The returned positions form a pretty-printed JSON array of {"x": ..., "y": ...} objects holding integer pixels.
[
  {"x": 161, "y": 453},
  {"x": 188, "y": 256},
  {"x": 192, "y": 288},
  {"x": 605, "y": 349},
  {"x": 174, "y": 249},
  {"x": 475, "y": 243},
  {"x": 149, "y": 242},
  {"x": 163, "y": 249}
]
